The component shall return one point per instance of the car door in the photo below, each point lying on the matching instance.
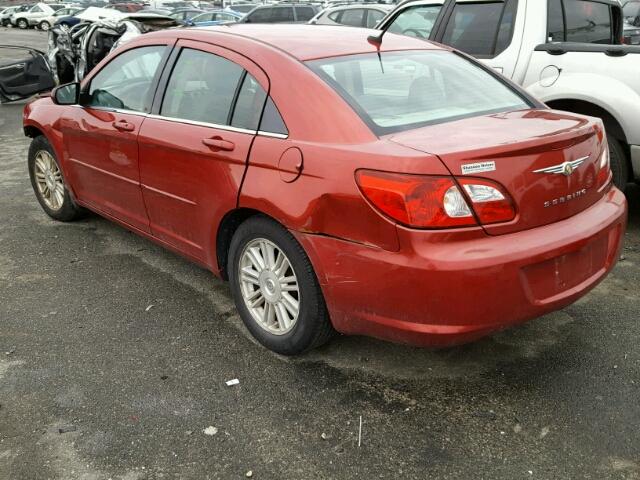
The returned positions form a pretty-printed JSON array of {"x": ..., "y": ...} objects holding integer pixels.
[
  {"x": 195, "y": 145},
  {"x": 23, "y": 73},
  {"x": 101, "y": 136}
]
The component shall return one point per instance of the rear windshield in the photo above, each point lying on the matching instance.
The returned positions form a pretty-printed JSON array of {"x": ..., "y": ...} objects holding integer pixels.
[{"x": 397, "y": 91}]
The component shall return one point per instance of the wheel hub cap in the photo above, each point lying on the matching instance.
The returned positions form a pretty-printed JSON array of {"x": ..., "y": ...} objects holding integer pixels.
[
  {"x": 48, "y": 180},
  {"x": 269, "y": 286}
]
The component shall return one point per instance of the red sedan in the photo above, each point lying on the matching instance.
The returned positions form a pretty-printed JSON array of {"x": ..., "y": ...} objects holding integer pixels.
[{"x": 392, "y": 188}]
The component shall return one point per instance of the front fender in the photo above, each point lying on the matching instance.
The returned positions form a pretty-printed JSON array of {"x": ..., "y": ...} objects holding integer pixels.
[{"x": 610, "y": 94}]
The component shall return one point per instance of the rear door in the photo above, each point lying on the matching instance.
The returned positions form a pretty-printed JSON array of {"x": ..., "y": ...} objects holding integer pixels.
[
  {"x": 23, "y": 72},
  {"x": 194, "y": 147}
]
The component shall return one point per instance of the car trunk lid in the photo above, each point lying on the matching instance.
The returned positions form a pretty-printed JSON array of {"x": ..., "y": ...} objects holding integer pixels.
[{"x": 527, "y": 152}]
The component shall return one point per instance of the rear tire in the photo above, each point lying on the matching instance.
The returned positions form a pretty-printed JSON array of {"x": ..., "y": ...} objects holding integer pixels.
[
  {"x": 274, "y": 288},
  {"x": 49, "y": 184},
  {"x": 619, "y": 163},
  {"x": 44, "y": 26}
]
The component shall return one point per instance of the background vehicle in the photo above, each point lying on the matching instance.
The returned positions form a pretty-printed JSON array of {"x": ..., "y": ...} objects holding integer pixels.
[
  {"x": 126, "y": 7},
  {"x": 366, "y": 16},
  {"x": 281, "y": 13},
  {"x": 33, "y": 16},
  {"x": 581, "y": 68},
  {"x": 184, "y": 14},
  {"x": 242, "y": 8},
  {"x": 214, "y": 17},
  {"x": 7, "y": 13},
  {"x": 64, "y": 13}
]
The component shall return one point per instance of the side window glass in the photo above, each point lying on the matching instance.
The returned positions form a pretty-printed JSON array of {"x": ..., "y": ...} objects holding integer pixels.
[
  {"x": 125, "y": 82},
  {"x": 36, "y": 9},
  {"x": 282, "y": 14},
  {"x": 473, "y": 27},
  {"x": 588, "y": 22},
  {"x": 246, "y": 113},
  {"x": 507, "y": 24},
  {"x": 373, "y": 17},
  {"x": 352, "y": 17},
  {"x": 334, "y": 15},
  {"x": 201, "y": 88},
  {"x": 304, "y": 14},
  {"x": 555, "y": 21},
  {"x": 416, "y": 21},
  {"x": 272, "y": 120},
  {"x": 260, "y": 15}
]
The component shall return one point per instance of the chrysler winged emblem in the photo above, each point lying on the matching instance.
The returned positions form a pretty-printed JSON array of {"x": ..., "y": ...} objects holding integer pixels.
[{"x": 565, "y": 168}]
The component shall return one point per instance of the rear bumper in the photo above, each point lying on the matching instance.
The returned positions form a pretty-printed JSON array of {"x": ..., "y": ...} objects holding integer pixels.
[{"x": 447, "y": 288}]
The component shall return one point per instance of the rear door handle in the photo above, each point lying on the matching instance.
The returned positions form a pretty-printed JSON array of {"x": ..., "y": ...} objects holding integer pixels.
[
  {"x": 219, "y": 143},
  {"x": 124, "y": 126}
]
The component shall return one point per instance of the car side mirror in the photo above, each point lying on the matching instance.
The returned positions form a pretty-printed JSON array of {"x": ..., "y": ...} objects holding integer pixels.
[{"x": 68, "y": 94}]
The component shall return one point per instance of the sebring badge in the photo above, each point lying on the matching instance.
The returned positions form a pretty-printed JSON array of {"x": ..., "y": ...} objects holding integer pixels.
[{"x": 565, "y": 168}]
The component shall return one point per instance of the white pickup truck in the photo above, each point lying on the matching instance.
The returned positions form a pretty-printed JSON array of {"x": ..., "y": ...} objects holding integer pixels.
[{"x": 566, "y": 53}]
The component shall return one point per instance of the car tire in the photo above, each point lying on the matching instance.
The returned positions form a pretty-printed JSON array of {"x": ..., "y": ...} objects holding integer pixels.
[
  {"x": 44, "y": 171},
  {"x": 311, "y": 327},
  {"x": 44, "y": 26},
  {"x": 618, "y": 162},
  {"x": 22, "y": 24}
]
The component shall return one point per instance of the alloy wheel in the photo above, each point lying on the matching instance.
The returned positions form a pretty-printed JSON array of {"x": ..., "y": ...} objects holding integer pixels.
[
  {"x": 49, "y": 180},
  {"x": 269, "y": 286}
]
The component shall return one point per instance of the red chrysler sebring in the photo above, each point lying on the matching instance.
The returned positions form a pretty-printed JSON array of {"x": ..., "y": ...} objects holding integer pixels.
[{"x": 392, "y": 188}]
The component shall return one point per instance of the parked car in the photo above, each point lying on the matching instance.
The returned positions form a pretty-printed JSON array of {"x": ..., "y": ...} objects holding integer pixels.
[
  {"x": 184, "y": 14},
  {"x": 69, "y": 20},
  {"x": 631, "y": 12},
  {"x": 358, "y": 15},
  {"x": 281, "y": 13},
  {"x": 567, "y": 53},
  {"x": 130, "y": 7},
  {"x": 242, "y": 8},
  {"x": 214, "y": 17},
  {"x": 33, "y": 16},
  {"x": 64, "y": 13},
  {"x": 6, "y": 14},
  {"x": 437, "y": 204},
  {"x": 72, "y": 53}
]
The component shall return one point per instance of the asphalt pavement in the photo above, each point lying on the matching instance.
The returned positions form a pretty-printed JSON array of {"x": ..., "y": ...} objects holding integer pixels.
[{"x": 114, "y": 355}]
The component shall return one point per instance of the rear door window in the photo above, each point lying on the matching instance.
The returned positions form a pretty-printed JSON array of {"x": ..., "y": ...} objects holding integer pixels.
[
  {"x": 304, "y": 14},
  {"x": 481, "y": 29},
  {"x": 282, "y": 15},
  {"x": 353, "y": 17},
  {"x": 373, "y": 17},
  {"x": 416, "y": 21},
  {"x": 580, "y": 21},
  {"x": 260, "y": 15},
  {"x": 202, "y": 88},
  {"x": 251, "y": 97}
]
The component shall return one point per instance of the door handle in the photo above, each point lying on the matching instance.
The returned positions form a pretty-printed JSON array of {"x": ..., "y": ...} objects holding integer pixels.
[
  {"x": 218, "y": 143},
  {"x": 124, "y": 126}
]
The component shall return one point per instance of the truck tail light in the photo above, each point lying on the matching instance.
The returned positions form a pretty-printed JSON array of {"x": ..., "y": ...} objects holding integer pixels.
[{"x": 425, "y": 201}]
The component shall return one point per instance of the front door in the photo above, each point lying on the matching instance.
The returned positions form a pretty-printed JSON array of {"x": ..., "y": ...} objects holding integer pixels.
[
  {"x": 194, "y": 147},
  {"x": 101, "y": 136},
  {"x": 23, "y": 73}
]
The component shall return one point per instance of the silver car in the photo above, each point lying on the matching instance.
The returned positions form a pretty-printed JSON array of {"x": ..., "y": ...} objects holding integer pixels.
[
  {"x": 34, "y": 15},
  {"x": 355, "y": 15}
]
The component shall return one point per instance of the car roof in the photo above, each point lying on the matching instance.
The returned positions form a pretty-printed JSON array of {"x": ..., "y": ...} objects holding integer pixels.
[{"x": 307, "y": 42}]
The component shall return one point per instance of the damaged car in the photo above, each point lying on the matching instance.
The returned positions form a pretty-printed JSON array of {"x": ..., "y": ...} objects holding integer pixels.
[{"x": 73, "y": 52}]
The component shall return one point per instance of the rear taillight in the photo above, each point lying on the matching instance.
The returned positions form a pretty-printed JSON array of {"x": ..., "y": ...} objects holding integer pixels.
[
  {"x": 604, "y": 168},
  {"x": 426, "y": 201}
]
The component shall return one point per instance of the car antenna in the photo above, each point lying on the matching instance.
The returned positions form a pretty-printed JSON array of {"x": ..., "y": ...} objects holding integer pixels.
[{"x": 377, "y": 41}]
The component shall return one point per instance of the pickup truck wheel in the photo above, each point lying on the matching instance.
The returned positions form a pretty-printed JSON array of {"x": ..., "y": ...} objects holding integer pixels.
[
  {"x": 22, "y": 24},
  {"x": 275, "y": 288},
  {"x": 49, "y": 184},
  {"x": 619, "y": 164}
]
